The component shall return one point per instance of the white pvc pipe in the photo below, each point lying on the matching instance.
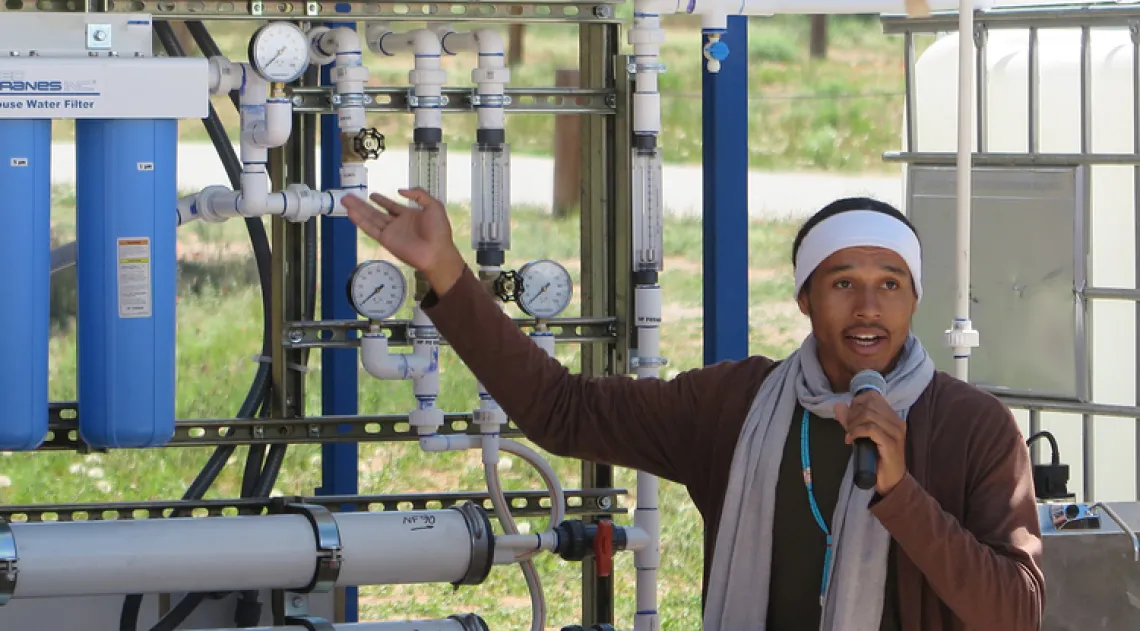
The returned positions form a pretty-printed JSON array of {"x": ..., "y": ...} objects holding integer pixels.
[
  {"x": 647, "y": 517},
  {"x": 646, "y": 37},
  {"x": 427, "y": 77},
  {"x": 491, "y": 74},
  {"x": 296, "y": 203},
  {"x": 225, "y": 76},
  {"x": 342, "y": 46},
  {"x": 961, "y": 332},
  {"x": 409, "y": 625},
  {"x": 177, "y": 555},
  {"x": 403, "y": 549},
  {"x": 381, "y": 364}
]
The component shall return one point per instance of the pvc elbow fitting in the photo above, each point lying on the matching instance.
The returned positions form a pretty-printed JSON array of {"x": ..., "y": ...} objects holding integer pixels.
[
  {"x": 278, "y": 124},
  {"x": 383, "y": 365},
  {"x": 489, "y": 42}
]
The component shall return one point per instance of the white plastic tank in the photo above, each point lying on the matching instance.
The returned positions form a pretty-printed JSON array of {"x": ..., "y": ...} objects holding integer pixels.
[{"x": 1112, "y": 252}]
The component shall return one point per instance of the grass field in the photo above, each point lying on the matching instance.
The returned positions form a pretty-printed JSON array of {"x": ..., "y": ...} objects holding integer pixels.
[
  {"x": 838, "y": 114},
  {"x": 219, "y": 330}
]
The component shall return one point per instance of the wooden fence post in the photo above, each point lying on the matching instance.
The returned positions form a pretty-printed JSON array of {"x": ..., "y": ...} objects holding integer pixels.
[{"x": 567, "y": 151}]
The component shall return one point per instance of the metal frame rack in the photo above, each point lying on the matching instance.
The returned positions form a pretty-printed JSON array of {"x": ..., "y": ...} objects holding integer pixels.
[
  {"x": 1087, "y": 18},
  {"x": 603, "y": 100}
]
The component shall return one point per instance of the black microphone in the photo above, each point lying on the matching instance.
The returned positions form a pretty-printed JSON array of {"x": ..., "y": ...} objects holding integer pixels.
[{"x": 866, "y": 454}]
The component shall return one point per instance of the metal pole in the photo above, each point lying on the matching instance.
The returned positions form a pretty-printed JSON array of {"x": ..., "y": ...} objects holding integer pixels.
[
  {"x": 725, "y": 172},
  {"x": 1134, "y": 29},
  {"x": 339, "y": 375}
]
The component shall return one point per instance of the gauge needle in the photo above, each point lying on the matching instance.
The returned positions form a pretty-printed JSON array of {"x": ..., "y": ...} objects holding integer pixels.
[
  {"x": 374, "y": 292},
  {"x": 280, "y": 51}
]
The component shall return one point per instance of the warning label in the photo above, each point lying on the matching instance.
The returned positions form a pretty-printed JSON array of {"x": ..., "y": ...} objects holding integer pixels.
[{"x": 134, "y": 278}]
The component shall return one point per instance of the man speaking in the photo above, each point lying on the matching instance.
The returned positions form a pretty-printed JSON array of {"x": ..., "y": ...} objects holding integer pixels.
[{"x": 945, "y": 535}]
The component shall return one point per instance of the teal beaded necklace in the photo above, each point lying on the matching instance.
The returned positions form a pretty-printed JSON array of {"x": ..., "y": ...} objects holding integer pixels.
[{"x": 805, "y": 462}]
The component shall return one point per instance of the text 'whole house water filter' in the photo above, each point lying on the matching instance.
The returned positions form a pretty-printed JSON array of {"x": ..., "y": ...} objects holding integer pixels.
[
  {"x": 126, "y": 223},
  {"x": 25, "y": 251}
]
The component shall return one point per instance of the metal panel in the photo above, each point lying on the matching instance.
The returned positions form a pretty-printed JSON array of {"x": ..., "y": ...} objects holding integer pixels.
[
  {"x": 725, "y": 173},
  {"x": 1092, "y": 575},
  {"x": 1034, "y": 339},
  {"x": 76, "y": 35},
  {"x": 101, "y": 613}
]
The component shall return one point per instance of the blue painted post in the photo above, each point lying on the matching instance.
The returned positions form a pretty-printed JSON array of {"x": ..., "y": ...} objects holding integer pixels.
[
  {"x": 725, "y": 152},
  {"x": 338, "y": 366}
]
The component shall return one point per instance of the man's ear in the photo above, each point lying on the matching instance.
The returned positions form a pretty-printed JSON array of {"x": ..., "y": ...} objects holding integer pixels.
[{"x": 804, "y": 303}]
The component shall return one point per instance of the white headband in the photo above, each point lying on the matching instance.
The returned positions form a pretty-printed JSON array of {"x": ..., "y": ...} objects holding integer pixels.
[{"x": 857, "y": 228}]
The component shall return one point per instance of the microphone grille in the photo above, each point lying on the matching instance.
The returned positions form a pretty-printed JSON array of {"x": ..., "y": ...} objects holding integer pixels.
[{"x": 868, "y": 379}]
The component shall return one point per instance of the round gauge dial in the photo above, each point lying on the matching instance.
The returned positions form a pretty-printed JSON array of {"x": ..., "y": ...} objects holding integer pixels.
[
  {"x": 279, "y": 51},
  {"x": 546, "y": 288},
  {"x": 377, "y": 289}
]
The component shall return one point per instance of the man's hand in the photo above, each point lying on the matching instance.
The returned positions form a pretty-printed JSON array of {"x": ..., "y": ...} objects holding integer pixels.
[
  {"x": 420, "y": 237},
  {"x": 869, "y": 416}
]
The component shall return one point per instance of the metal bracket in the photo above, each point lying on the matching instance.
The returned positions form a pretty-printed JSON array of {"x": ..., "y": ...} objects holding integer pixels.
[
  {"x": 637, "y": 361},
  {"x": 311, "y": 623},
  {"x": 8, "y": 563},
  {"x": 633, "y": 68},
  {"x": 426, "y": 102},
  {"x": 329, "y": 548},
  {"x": 482, "y": 543},
  {"x": 490, "y": 100},
  {"x": 347, "y": 100},
  {"x": 470, "y": 622}
]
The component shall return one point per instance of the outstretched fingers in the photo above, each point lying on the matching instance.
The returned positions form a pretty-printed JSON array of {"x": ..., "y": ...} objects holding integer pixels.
[
  {"x": 419, "y": 196},
  {"x": 394, "y": 208},
  {"x": 367, "y": 218}
]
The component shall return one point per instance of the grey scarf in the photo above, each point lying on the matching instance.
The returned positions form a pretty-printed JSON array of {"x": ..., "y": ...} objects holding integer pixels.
[{"x": 739, "y": 578}]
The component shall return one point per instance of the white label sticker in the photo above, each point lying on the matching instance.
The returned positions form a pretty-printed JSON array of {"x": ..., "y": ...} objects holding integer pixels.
[
  {"x": 134, "y": 278},
  {"x": 146, "y": 166},
  {"x": 19, "y": 162}
]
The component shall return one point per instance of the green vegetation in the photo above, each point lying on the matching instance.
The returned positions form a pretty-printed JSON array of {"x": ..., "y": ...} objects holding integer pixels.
[
  {"x": 836, "y": 114},
  {"x": 219, "y": 331}
]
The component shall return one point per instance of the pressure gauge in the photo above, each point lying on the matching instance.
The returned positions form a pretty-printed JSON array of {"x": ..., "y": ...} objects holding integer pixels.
[
  {"x": 546, "y": 288},
  {"x": 377, "y": 289},
  {"x": 279, "y": 51}
]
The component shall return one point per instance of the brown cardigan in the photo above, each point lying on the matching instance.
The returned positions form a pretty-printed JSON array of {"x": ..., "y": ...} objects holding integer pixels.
[{"x": 964, "y": 520}]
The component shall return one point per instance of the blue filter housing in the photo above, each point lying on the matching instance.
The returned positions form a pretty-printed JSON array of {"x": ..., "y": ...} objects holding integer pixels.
[
  {"x": 126, "y": 232},
  {"x": 25, "y": 252}
]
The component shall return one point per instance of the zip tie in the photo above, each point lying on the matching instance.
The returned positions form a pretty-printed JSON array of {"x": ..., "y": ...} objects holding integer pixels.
[{"x": 264, "y": 359}]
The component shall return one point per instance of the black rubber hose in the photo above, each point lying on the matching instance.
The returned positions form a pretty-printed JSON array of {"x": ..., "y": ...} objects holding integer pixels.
[
  {"x": 1056, "y": 455},
  {"x": 258, "y": 391}
]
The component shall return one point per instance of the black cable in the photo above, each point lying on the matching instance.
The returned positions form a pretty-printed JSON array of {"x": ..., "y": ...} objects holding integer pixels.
[
  {"x": 258, "y": 392},
  {"x": 1052, "y": 444},
  {"x": 258, "y": 480}
]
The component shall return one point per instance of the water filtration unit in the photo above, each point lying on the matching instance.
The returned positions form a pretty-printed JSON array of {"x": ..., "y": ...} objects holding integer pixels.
[
  {"x": 295, "y": 562},
  {"x": 126, "y": 233},
  {"x": 25, "y": 179}
]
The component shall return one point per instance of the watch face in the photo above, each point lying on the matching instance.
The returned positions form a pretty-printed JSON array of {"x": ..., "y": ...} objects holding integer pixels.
[
  {"x": 547, "y": 288},
  {"x": 279, "y": 52},
  {"x": 377, "y": 290}
]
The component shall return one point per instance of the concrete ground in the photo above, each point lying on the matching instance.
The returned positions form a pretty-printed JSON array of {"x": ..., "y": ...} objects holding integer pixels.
[{"x": 771, "y": 194}]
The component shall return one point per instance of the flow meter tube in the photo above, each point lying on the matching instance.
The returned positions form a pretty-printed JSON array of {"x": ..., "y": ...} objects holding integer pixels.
[
  {"x": 490, "y": 197},
  {"x": 428, "y": 168},
  {"x": 648, "y": 241}
]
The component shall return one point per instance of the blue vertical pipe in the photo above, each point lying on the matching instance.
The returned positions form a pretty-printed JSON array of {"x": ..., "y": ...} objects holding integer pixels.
[
  {"x": 339, "y": 373},
  {"x": 725, "y": 172},
  {"x": 25, "y": 252},
  {"x": 126, "y": 223}
]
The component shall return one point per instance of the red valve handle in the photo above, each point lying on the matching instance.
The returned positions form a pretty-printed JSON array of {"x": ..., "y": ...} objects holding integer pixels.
[{"x": 604, "y": 548}]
